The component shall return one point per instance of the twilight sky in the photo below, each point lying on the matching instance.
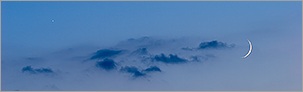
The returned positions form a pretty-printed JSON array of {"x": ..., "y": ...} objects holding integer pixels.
[{"x": 151, "y": 46}]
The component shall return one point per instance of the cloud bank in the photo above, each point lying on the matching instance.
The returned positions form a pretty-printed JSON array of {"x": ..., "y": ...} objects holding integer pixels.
[
  {"x": 134, "y": 62},
  {"x": 149, "y": 53}
]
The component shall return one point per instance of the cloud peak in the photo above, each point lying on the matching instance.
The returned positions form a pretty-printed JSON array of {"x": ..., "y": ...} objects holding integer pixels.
[
  {"x": 105, "y": 53},
  {"x": 170, "y": 59},
  {"x": 214, "y": 44}
]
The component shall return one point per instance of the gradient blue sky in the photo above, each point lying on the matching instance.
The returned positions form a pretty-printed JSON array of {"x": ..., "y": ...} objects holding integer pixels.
[
  {"x": 28, "y": 24},
  {"x": 273, "y": 27}
]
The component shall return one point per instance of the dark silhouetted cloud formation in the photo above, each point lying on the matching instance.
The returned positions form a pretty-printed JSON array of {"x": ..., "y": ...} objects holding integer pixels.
[
  {"x": 153, "y": 69},
  {"x": 106, "y": 64},
  {"x": 214, "y": 44},
  {"x": 171, "y": 59},
  {"x": 38, "y": 70},
  {"x": 132, "y": 70},
  {"x": 105, "y": 53},
  {"x": 141, "y": 51}
]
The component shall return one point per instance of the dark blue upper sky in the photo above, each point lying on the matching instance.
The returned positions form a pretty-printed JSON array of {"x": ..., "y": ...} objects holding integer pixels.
[{"x": 29, "y": 24}]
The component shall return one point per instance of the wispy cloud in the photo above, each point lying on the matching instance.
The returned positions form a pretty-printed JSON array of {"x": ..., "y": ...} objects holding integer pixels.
[
  {"x": 142, "y": 52},
  {"x": 146, "y": 51},
  {"x": 31, "y": 70},
  {"x": 132, "y": 70},
  {"x": 170, "y": 59}
]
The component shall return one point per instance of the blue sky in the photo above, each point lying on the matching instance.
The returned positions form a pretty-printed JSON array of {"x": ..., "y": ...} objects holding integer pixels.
[
  {"x": 273, "y": 27},
  {"x": 88, "y": 22}
]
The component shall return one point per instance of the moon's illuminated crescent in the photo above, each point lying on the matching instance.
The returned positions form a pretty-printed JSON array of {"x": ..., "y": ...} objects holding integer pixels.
[{"x": 250, "y": 49}]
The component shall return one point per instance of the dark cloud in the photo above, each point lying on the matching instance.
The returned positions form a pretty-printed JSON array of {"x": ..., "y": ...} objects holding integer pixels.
[
  {"x": 132, "y": 70},
  {"x": 141, "y": 51},
  {"x": 138, "y": 73},
  {"x": 171, "y": 59},
  {"x": 34, "y": 71},
  {"x": 106, "y": 64},
  {"x": 214, "y": 44},
  {"x": 153, "y": 69},
  {"x": 105, "y": 53}
]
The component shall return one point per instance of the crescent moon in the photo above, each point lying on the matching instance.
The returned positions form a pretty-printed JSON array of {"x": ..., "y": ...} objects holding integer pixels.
[{"x": 249, "y": 51}]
